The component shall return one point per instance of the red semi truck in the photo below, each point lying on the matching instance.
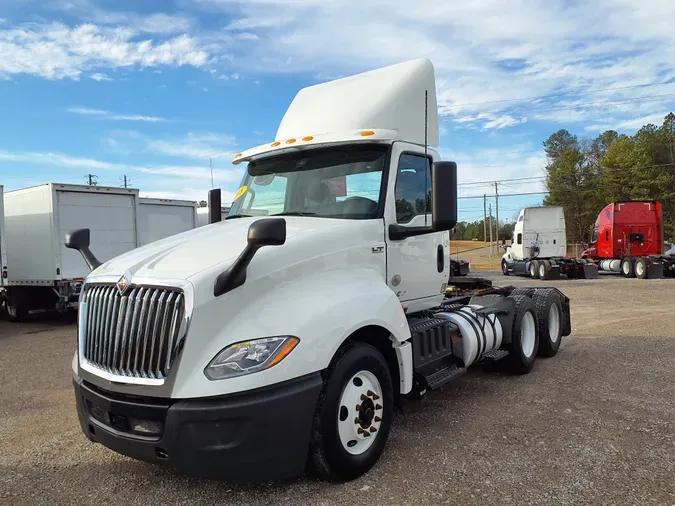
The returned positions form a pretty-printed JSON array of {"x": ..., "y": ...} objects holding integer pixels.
[{"x": 628, "y": 237}]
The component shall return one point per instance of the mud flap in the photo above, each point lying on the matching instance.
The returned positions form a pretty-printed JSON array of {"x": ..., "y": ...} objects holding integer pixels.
[
  {"x": 589, "y": 271},
  {"x": 553, "y": 272},
  {"x": 654, "y": 269}
]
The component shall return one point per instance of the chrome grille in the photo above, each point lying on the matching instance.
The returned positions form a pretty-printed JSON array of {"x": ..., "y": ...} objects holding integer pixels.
[{"x": 135, "y": 334}]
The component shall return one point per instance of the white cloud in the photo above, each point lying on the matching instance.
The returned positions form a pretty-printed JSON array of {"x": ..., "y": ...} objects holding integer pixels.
[
  {"x": 99, "y": 76},
  {"x": 60, "y": 160},
  {"x": 100, "y": 113},
  {"x": 57, "y": 51},
  {"x": 479, "y": 57},
  {"x": 201, "y": 146}
]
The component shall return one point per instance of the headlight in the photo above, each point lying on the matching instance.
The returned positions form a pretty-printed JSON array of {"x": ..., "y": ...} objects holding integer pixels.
[{"x": 248, "y": 357}]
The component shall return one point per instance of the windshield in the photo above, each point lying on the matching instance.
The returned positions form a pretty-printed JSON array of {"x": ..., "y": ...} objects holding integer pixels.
[{"x": 341, "y": 182}]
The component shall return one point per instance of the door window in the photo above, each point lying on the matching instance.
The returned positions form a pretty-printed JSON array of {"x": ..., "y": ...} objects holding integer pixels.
[
  {"x": 413, "y": 187},
  {"x": 594, "y": 237}
]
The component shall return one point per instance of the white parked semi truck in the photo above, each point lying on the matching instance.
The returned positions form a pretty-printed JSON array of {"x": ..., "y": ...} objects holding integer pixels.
[
  {"x": 538, "y": 247},
  {"x": 40, "y": 273},
  {"x": 258, "y": 347}
]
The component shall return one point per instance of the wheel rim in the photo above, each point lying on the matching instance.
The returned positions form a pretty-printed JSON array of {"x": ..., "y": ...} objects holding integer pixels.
[
  {"x": 542, "y": 270},
  {"x": 504, "y": 267},
  {"x": 527, "y": 334},
  {"x": 532, "y": 270},
  {"x": 626, "y": 268},
  {"x": 360, "y": 412},
  {"x": 639, "y": 268},
  {"x": 554, "y": 323}
]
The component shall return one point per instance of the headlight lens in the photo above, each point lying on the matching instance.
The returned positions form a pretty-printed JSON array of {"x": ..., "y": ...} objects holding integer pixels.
[{"x": 248, "y": 357}]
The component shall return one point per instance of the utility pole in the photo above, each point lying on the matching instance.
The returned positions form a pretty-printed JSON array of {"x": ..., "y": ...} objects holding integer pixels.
[
  {"x": 126, "y": 181},
  {"x": 484, "y": 217},
  {"x": 91, "y": 179},
  {"x": 492, "y": 255},
  {"x": 211, "y": 166},
  {"x": 497, "y": 208},
  {"x": 491, "y": 245}
]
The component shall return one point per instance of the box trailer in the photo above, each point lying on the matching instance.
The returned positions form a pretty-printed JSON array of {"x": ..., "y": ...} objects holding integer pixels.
[
  {"x": 202, "y": 215},
  {"x": 160, "y": 218},
  {"x": 40, "y": 272},
  {"x": 3, "y": 239}
]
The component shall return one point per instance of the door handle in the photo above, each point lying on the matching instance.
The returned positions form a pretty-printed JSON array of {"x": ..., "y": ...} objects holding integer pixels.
[{"x": 440, "y": 258}]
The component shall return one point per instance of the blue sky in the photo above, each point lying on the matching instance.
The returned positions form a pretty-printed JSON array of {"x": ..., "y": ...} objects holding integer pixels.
[{"x": 153, "y": 89}]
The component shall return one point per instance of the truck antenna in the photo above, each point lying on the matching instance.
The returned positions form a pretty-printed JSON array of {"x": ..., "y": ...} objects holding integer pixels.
[{"x": 426, "y": 160}]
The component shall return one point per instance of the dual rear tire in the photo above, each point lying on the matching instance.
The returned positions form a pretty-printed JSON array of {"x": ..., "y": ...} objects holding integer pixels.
[{"x": 537, "y": 327}]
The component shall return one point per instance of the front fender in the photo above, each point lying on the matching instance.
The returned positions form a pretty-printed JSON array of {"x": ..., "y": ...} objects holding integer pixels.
[{"x": 322, "y": 310}]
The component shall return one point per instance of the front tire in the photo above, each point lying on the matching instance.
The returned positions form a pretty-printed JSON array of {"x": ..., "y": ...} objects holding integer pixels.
[
  {"x": 524, "y": 336},
  {"x": 353, "y": 415},
  {"x": 505, "y": 268}
]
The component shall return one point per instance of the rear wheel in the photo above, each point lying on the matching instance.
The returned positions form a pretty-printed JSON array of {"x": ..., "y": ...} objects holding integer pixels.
[
  {"x": 627, "y": 268},
  {"x": 543, "y": 268},
  {"x": 534, "y": 269},
  {"x": 549, "y": 317},
  {"x": 524, "y": 336},
  {"x": 641, "y": 268},
  {"x": 353, "y": 415}
]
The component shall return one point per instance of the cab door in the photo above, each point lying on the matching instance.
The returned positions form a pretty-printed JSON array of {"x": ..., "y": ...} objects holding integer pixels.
[{"x": 418, "y": 267}]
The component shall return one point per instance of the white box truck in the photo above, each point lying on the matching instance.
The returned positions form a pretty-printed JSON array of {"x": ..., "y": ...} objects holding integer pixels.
[
  {"x": 3, "y": 240},
  {"x": 256, "y": 347},
  {"x": 202, "y": 215},
  {"x": 160, "y": 218},
  {"x": 40, "y": 272},
  {"x": 539, "y": 247}
]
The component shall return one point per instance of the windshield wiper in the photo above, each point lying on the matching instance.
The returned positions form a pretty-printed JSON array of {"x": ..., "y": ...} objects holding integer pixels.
[
  {"x": 237, "y": 216},
  {"x": 294, "y": 213}
]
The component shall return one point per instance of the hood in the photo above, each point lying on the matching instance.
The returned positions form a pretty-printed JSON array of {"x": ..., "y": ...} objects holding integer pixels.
[{"x": 186, "y": 254}]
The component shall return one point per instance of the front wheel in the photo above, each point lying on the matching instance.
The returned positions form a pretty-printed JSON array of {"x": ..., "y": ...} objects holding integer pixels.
[
  {"x": 505, "y": 268},
  {"x": 353, "y": 415}
]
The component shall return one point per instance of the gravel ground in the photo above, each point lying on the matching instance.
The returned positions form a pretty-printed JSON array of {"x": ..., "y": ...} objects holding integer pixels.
[{"x": 594, "y": 425}]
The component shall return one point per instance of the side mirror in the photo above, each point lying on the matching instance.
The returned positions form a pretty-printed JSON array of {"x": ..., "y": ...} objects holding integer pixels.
[
  {"x": 267, "y": 232},
  {"x": 263, "y": 232},
  {"x": 215, "y": 211},
  {"x": 79, "y": 240},
  {"x": 444, "y": 195}
]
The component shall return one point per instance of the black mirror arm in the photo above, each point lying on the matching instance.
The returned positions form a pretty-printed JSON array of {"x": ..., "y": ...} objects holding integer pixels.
[
  {"x": 79, "y": 241},
  {"x": 235, "y": 275},
  {"x": 400, "y": 232}
]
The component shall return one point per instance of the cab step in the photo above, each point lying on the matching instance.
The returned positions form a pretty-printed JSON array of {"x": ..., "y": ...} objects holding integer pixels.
[
  {"x": 443, "y": 376},
  {"x": 494, "y": 355}
]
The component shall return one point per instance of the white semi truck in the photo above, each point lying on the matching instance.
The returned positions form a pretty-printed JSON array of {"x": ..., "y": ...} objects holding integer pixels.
[
  {"x": 538, "y": 247},
  {"x": 40, "y": 273},
  {"x": 257, "y": 347}
]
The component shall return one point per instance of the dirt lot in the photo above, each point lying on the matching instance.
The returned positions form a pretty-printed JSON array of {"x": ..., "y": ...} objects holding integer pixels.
[{"x": 594, "y": 425}]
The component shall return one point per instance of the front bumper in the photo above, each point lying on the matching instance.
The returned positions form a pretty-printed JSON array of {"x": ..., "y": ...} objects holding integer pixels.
[{"x": 258, "y": 435}]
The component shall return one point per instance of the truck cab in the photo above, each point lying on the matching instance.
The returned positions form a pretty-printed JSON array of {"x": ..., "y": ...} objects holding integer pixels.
[{"x": 280, "y": 338}]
